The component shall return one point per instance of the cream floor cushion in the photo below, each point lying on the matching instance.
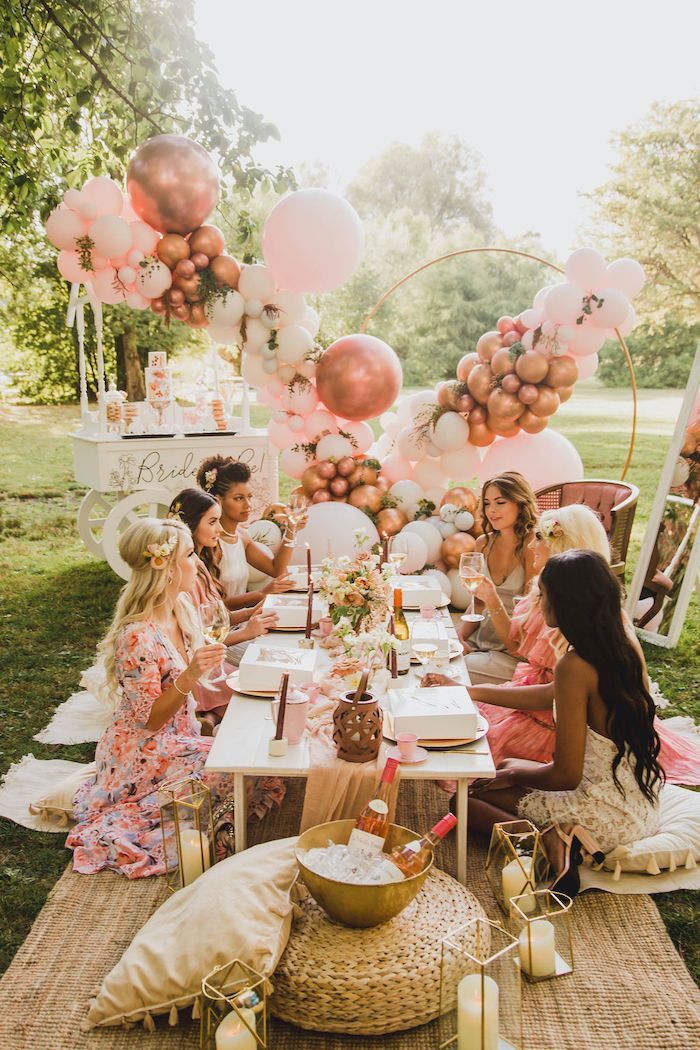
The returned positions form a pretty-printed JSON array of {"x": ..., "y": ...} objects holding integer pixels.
[
  {"x": 676, "y": 844},
  {"x": 240, "y": 908}
]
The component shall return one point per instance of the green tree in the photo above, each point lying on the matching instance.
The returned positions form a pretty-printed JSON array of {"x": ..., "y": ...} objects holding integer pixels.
[{"x": 662, "y": 355}]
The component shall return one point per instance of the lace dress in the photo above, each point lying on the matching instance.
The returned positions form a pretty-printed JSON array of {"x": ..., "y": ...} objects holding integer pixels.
[
  {"x": 118, "y": 810},
  {"x": 613, "y": 817}
]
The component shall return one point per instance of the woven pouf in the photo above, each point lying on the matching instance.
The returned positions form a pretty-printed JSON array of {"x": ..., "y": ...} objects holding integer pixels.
[{"x": 332, "y": 978}]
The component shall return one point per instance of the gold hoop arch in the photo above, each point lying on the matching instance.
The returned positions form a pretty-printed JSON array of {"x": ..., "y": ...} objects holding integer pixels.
[{"x": 544, "y": 262}]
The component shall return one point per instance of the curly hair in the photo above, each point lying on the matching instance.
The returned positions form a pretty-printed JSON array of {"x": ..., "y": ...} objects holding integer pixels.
[
  {"x": 217, "y": 474},
  {"x": 515, "y": 488}
]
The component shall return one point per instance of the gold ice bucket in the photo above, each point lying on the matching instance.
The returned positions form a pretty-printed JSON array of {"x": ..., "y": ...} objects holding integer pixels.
[{"x": 354, "y": 905}]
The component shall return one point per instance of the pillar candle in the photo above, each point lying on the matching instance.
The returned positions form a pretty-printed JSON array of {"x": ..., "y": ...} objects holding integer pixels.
[
  {"x": 537, "y": 952},
  {"x": 232, "y": 1033},
  {"x": 477, "y": 1013},
  {"x": 308, "y": 565},
  {"x": 194, "y": 848},
  {"x": 514, "y": 878}
]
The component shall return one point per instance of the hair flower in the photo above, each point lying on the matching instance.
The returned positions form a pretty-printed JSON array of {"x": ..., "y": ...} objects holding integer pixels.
[
  {"x": 158, "y": 553},
  {"x": 210, "y": 479}
]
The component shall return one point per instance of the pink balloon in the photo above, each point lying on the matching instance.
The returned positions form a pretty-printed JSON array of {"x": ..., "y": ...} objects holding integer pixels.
[
  {"x": 396, "y": 468},
  {"x": 543, "y": 459},
  {"x": 275, "y": 388},
  {"x": 63, "y": 227},
  {"x": 108, "y": 288},
  {"x": 70, "y": 268},
  {"x": 587, "y": 366},
  {"x": 588, "y": 340},
  {"x": 293, "y": 463},
  {"x": 137, "y": 301},
  {"x": 627, "y": 276},
  {"x": 280, "y": 435},
  {"x": 104, "y": 194},
  {"x": 127, "y": 274},
  {"x": 143, "y": 237},
  {"x": 362, "y": 433},
  {"x": 300, "y": 399},
  {"x": 127, "y": 213},
  {"x": 586, "y": 269},
  {"x": 112, "y": 236},
  {"x": 629, "y": 323},
  {"x": 320, "y": 422},
  {"x": 312, "y": 241},
  {"x": 563, "y": 303},
  {"x": 613, "y": 309}
]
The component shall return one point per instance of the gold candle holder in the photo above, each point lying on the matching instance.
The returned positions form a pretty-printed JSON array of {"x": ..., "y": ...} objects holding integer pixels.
[
  {"x": 480, "y": 1000},
  {"x": 545, "y": 944},
  {"x": 234, "y": 1003},
  {"x": 187, "y": 826},
  {"x": 516, "y": 863}
]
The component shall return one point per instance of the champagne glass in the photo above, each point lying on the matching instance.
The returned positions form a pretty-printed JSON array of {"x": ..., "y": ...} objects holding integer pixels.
[
  {"x": 398, "y": 552},
  {"x": 471, "y": 571},
  {"x": 296, "y": 509},
  {"x": 216, "y": 625}
]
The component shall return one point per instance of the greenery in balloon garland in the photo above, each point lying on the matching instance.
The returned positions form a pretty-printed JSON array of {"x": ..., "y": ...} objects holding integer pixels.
[
  {"x": 587, "y": 308},
  {"x": 84, "y": 247},
  {"x": 426, "y": 509},
  {"x": 210, "y": 292},
  {"x": 425, "y": 422}
]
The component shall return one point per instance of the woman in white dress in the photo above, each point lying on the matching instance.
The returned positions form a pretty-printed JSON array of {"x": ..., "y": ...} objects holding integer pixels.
[{"x": 604, "y": 778}]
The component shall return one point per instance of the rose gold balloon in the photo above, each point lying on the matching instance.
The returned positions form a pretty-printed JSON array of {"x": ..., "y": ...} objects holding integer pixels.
[
  {"x": 312, "y": 480},
  {"x": 321, "y": 496},
  {"x": 456, "y": 545},
  {"x": 200, "y": 260},
  {"x": 562, "y": 371},
  {"x": 367, "y": 497},
  {"x": 532, "y": 367},
  {"x": 530, "y": 423},
  {"x": 446, "y": 395},
  {"x": 171, "y": 249},
  {"x": 565, "y": 393},
  {"x": 189, "y": 285},
  {"x": 503, "y": 405},
  {"x": 181, "y": 312},
  {"x": 505, "y": 324},
  {"x": 528, "y": 393},
  {"x": 185, "y": 268},
  {"x": 479, "y": 383},
  {"x": 480, "y": 435},
  {"x": 381, "y": 483},
  {"x": 510, "y": 338},
  {"x": 209, "y": 240},
  {"x": 358, "y": 377},
  {"x": 511, "y": 384},
  {"x": 461, "y": 496},
  {"x": 547, "y": 402},
  {"x": 346, "y": 468},
  {"x": 503, "y": 427},
  {"x": 198, "y": 318},
  {"x": 465, "y": 366},
  {"x": 520, "y": 328},
  {"x": 502, "y": 362},
  {"x": 487, "y": 346},
  {"x": 158, "y": 306},
  {"x": 390, "y": 520},
  {"x": 226, "y": 271},
  {"x": 464, "y": 403},
  {"x": 339, "y": 486},
  {"x": 477, "y": 528},
  {"x": 176, "y": 296},
  {"x": 477, "y": 415},
  {"x": 326, "y": 469},
  {"x": 173, "y": 184}
]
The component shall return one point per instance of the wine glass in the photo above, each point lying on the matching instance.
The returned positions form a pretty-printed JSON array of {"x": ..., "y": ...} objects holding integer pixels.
[
  {"x": 216, "y": 625},
  {"x": 296, "y": 509},
  {"x": 471, "y": 571},
  {"x": 398, "y": 552}
]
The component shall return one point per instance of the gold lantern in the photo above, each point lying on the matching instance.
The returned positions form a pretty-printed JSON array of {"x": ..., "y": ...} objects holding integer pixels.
[
  {"x": 480, "y": 1001},
  {"x": 517, "y": 863},
  {"x": 545, "y": 945},
  {"x": 234, "y": 1004},
  {"x": 187, "y": 826}
]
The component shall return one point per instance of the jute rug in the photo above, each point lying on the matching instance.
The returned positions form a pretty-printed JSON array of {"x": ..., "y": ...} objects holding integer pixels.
[{"x": 629, "y": 989}]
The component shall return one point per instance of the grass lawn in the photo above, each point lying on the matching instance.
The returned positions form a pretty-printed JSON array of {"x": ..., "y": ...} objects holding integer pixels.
[{"x": 56, "y": 600}]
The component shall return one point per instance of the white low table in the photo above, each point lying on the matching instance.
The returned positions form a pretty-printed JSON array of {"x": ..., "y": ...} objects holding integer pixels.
[{"x": 241, "y": 748}]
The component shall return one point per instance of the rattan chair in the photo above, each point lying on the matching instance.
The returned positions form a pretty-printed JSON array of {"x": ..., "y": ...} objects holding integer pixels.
[{"x": 615, "y": 503}]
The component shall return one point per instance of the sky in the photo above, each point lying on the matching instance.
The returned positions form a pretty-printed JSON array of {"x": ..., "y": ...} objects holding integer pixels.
[{"x": 538, "y": 88}]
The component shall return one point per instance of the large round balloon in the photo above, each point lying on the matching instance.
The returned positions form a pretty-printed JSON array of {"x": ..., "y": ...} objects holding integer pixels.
[
  {"x": 543, "y": 459},
  {"x": 312, "y": 241},
  {"x": 358, "y": 377},
  {"x": 330, "y": 527},
  {"x": 173, "y": 183}
]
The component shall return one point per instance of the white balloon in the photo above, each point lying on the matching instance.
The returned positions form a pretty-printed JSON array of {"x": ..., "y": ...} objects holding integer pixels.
[
  {"x": 295, "y": 423},
  {"x": 451, "y": 432},
  {"x": 531, "y": 318},
  {"x": 526, "y": 339},
  {"x": 627, "y": 276},
  {"x": 460, "y": 465},
  {"x": 256, "y": 334},
  {"x": 464, "y": 520},
  {"x": 361, "y": 434},
  {"x": 460, "y": 596},
  {"x": 256, "y": 577},
  {"x": 320, "y": 422},
  {"x": 253, "y": 371},
  {"x": 154, "y": 279},
  {"x": 333, "y": 446},
  {"x": 293, "y": 343},
  {"x": 291, "y": 307},
  {"x": 403, "y": 411},
  {"x": 266, "y": 532},
  {"x": 407, "y": 494},
  {"x": 544, "y": 459},
  {"x": 330, "y": 529},
  {"x": 256, "y": 282},
  {"x": 448, "y": 512},
  {"x": 447, "y": 528},
  {"x": 586, "y": 268},
  {"x": 410, "y": 444},
  {"x": 415, "y": 549},
  {"x": 136, "y": 301},
  {"x": 227, "y": 312},
  {"x": 396, "y": 468},
  {"x": 430, "y": 536},
  {"x": 383, "y": 446},
  {"x": 428, "y": 475},
  {"x": 219, "y": 333},
  {"x": 564, "y": 303},
  {"x": 253, "y": 307},
  {"x": 629, "y": 323},
  {"x": 422, "y": 405},
  {"x": 613, "y": 309}
]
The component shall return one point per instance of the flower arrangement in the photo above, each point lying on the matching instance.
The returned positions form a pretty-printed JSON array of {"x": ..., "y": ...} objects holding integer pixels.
[{"x": 356, "y": 589}]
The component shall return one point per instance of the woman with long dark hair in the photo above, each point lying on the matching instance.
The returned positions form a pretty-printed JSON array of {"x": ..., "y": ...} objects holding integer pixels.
[{"x": 605, "y": 774}]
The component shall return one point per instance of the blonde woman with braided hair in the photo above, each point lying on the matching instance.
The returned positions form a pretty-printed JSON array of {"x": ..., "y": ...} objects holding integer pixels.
[{"x": 154, "y": 736}]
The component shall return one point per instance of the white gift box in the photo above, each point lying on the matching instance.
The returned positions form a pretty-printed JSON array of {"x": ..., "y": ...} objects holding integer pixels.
[
  {"x": 291, "y": 609},
  {"x": 300, "y": 576},
  {"x": 444, "y": 713},
  {"x": 423, "y": 631},
  {"x": 263, "y": 665},
  {"x": 418, "y": 590}
]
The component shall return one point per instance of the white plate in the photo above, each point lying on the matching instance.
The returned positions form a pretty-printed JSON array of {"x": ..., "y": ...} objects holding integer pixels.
[
  {"x": 455, "y": 651},
  {"x": 233, "y": 681},
  {"x": 439, "y": 745}
]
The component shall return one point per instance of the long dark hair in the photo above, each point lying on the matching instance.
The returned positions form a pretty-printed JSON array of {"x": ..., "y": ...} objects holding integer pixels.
[
  {"x": 585, "y": 597},
  {"x": 217, "y": 474},
  {"x": 190, "y": 506},
  {"x": 513, "y": 487}
]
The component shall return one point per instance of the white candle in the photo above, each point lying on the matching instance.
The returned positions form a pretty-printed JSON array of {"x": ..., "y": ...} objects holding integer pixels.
[
  {"x": 193, "y": 849},
  {"x": 477, "y": 1013},
  {"x": 537, "y": 954},
  {"x": 514, "y": 878},
  {"x": 232, "y": 1034}
]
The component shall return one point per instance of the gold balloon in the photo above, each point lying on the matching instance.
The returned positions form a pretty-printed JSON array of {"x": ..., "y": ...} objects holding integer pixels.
[
  {"x": 488, "y": 345},
  {"x": 502, "y": 426},
  {"x": 565, "y": 393},
  {"x": 225, "y": 269},
  {"x": 173, "y": 184},
  {"x": 171, "y": 249},
  {"x": 465, "y": 366},
  {"x": 189, "y": 285},
  {"x": 363, "y": 476},
  {"x": 358, "y": 377},
  {"x": 367, "y": 497},
  {"x": 480, "y": 435},
  {"x": 454, "y": 546},
  {"x": 479, "y": 383},
  {"x": 207, "y": 239},
  {"x": 531, "y": 423},
  {"x": 562, "y": 371},
  {"x": 460, "y": 496},
  {"x": 390, "y": 521},
  {"x": 547, "y": 402},
  {"x": 312, "y": 481}
]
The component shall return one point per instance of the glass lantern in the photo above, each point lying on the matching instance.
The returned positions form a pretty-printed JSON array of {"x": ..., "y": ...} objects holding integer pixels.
[
  {"x": 545, "y": 945},
  {"x": 187, "y": 826},
  {"x": 233, "y": 1009},
  {"x": 516, "y": 864},
  {"x": 480, "y": 1002}
]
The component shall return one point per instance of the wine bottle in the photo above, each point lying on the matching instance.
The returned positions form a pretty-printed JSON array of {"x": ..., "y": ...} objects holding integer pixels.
[
  {"x": 372, "y": 825},
  {"x": 402, "y": 633},
  {"x": 409, "y": 860}
]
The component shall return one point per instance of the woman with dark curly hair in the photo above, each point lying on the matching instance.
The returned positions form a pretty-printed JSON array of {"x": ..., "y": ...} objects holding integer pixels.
[{"x": 508, "y": 512}]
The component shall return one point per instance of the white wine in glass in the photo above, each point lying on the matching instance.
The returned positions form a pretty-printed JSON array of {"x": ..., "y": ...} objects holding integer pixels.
[
  {"x": 398, "y": 552},
  {"x": 296, "y": 509},
  {"x": 471, "y": 572},
  {"x": 216, "y": 626}
]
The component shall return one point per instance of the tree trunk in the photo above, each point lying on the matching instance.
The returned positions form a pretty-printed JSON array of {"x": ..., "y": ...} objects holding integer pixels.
[{"x": 129, "y": 366}]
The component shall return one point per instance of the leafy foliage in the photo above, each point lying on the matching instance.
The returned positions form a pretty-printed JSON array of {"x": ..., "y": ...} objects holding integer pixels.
[{"x": 662, "y": 355}]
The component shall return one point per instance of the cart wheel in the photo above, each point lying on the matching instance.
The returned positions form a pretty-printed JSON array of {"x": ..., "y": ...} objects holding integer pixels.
[
  {"x": 92, "y": 516},
  {"x": 146, "y": 503}
]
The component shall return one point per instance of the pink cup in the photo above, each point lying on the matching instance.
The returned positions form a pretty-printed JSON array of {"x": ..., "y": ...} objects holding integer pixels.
[
  {"x": 325, "y": 626},
  {"x": 408, "y": 745},
  {"x": 294, "y": 716}
]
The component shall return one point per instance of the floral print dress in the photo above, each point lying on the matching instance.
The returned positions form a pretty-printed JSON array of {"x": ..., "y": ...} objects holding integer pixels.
[{"x": 118, "y": 810}]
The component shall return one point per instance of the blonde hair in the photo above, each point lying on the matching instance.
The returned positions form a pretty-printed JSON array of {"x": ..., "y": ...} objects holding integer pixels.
[
  {"x": 575, "y": 527},
  {"x": 513, "y": 487},
  {"x": 145, "y": 590}
]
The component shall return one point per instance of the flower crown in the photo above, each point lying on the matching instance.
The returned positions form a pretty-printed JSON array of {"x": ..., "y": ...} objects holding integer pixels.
[
  {"x": 210, "y": 479},
  {"x": 551, "y": 528},
  {"x": 158, "y": 553}
]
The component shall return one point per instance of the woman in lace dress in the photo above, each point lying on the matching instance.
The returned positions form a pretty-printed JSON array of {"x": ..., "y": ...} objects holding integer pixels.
[
  {"x": 154, "y": 737},
  {"x": 605, "y": 775}
]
